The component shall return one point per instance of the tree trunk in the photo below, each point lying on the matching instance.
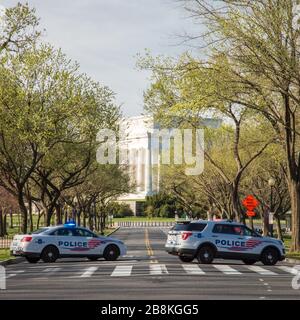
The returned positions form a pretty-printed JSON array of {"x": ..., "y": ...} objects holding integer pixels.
[
  {"x": 251, "y": 223},
  {"x": 24, "y": 212},
  {"x": 58, "y": 214},
  {"x": 78, "y": 217},
  {"x": 84, "y": 219},
  {"x": 235, "y": 203},
  {"x": 295, "y": 206},
  {"x": 5, "y": 225},
  {"x": 91, "y": 223},
  {"x": 38, "y": 219},
  {"x": 11, "y": 219},
  {"x": 30, "y": 214},
  {"x": 1, "y": 223},
  {"x": 278, "y": 227}
]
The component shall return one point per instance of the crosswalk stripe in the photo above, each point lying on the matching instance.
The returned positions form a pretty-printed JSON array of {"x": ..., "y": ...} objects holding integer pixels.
[
  {"x": 89, "y": 271},
  {"x": 10, "y": 275},
  {"x": 51, "y": 270},
  {"x": 289, "y": 269},
  {"x": 261, "y": 270},
  {"x": 192, "y": 269},
  {"x": 226, "y": 269},
  {"x": 156, "y": 269},
  {"x": 122, "y": 271}
]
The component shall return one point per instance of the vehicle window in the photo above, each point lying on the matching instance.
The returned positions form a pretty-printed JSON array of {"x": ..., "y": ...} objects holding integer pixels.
[
  {"x": 196, "y": 226},
  {"x": 63, "y": 232},
  {"x": 181, "y": 227},
  {"x": 238, "y": 230},
  {"x": 250, "y": 233},
  {"x": 83, "y": 233},
  {"x": 223, "y": 228},
  {"x": 40, "y": 230}
]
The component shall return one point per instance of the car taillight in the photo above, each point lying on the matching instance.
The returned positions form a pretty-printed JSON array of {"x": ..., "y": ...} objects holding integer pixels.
[
  {"x": 185, "y": 235},
  {"x": 26, "y": 239}
]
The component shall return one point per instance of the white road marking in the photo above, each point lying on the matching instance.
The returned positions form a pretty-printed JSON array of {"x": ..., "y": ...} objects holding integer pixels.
[
  {"x": 16, "y": 272},
  {"x": 122, "y": 271},
  {"x": 289, "y": 269},
  {"x": 51, "y": 270},
  {"x": 226, "y": 269},
  {"x": 261, "y": 270},
  {"x": 89, "y": 271},
  {"x": 156, "y": 269},
  {"x": 192, "y": 269}
]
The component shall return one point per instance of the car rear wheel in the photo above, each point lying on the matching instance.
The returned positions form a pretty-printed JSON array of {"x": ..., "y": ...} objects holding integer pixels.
[
  {"x": 111, "y": 253},
  {"x": 249, "y": 261},
  {"x": 269, "y": 256},
  {"x": 50, "y": 254},
  {"x": 32, "y": 260},
  {"x": 206, "y": 255},
  {"x": 186, "y": 259}
]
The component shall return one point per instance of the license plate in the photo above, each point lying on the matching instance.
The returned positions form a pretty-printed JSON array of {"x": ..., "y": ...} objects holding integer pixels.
[{"x": 172, "y": 238}]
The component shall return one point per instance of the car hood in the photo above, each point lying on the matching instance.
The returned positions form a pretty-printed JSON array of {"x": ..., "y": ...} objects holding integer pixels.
[
  {"x": 110, "y": 239},
  {"x": 272, "y": 240}
]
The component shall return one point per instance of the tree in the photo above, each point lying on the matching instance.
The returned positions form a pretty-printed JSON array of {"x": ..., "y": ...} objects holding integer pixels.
[
  {"x": 18, "y": 28},
  {"x": 191, "y": 89},
  {"x": 50, "y": 114},
  {"x": 261, "y": 41}
]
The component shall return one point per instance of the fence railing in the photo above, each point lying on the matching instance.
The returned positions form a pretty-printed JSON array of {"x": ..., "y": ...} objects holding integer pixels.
[
  {"x": 5, "y": 242},
  {"x": 145, "y": 224}
]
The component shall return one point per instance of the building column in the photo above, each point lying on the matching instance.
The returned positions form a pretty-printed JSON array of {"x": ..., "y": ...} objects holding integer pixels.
[{"x": 148, "y": 176}]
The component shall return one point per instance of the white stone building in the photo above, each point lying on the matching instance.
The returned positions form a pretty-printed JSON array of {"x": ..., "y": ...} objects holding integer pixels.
[{"x": 144, "y": 160}]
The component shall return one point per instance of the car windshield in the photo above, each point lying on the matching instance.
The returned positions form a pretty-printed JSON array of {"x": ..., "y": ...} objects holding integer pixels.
[{"x": 40, "y": 230}]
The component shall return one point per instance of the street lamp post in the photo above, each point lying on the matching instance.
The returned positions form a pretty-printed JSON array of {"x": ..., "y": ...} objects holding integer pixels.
[{"x": 271, "y": 183}]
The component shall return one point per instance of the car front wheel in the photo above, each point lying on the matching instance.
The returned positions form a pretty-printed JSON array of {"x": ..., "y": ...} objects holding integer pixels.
[
  {"x": 111, "y": 253},
  {"x": 269, "y": 257}
]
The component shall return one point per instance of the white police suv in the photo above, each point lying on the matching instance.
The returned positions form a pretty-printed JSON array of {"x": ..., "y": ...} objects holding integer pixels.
[
  {"x": 206, "y": 240},
  {"x": 68, "y": 240}
]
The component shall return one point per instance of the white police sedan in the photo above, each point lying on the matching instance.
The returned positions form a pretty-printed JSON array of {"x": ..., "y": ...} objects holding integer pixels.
[{"x": 68, "y": 240}]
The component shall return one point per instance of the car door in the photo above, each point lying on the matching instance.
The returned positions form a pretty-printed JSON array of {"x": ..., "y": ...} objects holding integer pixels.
[
  {"x": 253, "y": 242},
  {"x": 62, "y": 238},
  {"x": 91, "y": 243},
  {"x": 228, "y": 238}
]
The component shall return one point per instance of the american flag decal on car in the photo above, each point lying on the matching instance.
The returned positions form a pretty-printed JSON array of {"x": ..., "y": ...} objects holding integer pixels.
[
  {"x": 94, "y": 243},
  {"x": 252, "y": 243},
  {"x": 249, "y": 244}
]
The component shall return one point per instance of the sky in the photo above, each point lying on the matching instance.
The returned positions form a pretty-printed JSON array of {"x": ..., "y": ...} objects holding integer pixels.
[{"x": 105, "y": 36}]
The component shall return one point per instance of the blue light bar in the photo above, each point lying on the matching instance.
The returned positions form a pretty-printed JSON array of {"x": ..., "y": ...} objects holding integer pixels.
[{"x": 70, "y": 224}]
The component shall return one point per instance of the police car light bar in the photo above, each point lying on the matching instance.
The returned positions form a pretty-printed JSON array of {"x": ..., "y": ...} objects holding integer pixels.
[{"x": 70, "y": 223}]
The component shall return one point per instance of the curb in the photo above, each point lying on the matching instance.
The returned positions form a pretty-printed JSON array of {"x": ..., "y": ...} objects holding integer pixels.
[
  {"x": 116, "y": 229},
  {"x": 12, "y": 261},
  {"x": 294, "y": 261}
]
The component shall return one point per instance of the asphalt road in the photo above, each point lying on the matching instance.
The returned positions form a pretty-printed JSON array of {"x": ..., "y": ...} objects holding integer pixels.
[{"x": 147, "y": 272}]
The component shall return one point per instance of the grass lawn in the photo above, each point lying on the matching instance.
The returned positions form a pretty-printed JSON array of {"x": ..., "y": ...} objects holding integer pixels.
[
  {"x": 287, "y": 243},
  {"x": 4, "y": 254}
]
